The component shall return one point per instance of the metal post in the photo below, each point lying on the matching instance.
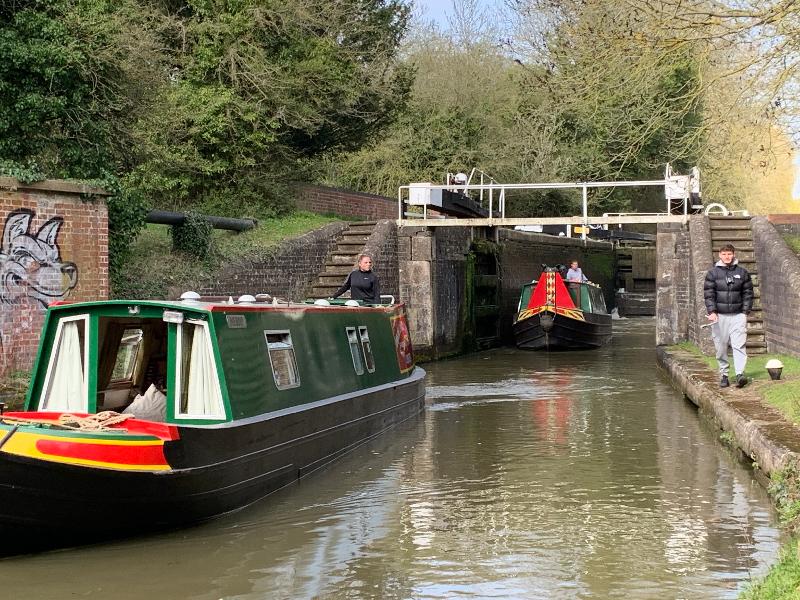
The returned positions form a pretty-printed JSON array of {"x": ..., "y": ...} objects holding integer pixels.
[
  {"x": 585, "y": 213},
  {"x": 481, "y": 201},
  {"x": 491, "y": 197},
  {"x": 503, "y": 203},
  {"x": 399, "y": 205},
  {"x": 491, "y": 208}
]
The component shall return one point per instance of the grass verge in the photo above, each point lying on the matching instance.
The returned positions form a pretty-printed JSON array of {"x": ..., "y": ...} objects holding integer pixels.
[
  {"x": 781, "y": 581},
  {"x": 152, "y": 267},
  {"x": 793, "y": 241}
]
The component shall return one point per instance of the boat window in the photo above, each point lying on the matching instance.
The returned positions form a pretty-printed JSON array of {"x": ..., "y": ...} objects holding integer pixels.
[
  {"x": 369, "y": 360},
  {"x": 355, "y": 350},
  {"x": 66, "y": 383},
  {"x": 128, "y": 350},
  {"x": 282, "y": 359},
  {"x": 197, "y": 384},
  {"x": 598, "y": 302}
]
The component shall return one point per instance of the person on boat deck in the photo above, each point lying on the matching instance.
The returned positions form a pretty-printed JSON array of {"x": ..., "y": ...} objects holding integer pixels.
[
  {"x": 575, "y": 275},
  {"x": 728, "y": 295},
  {"x": 362, "y": 283}
]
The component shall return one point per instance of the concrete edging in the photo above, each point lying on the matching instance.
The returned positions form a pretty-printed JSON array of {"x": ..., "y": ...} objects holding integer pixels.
[{"x": 760, "y": 431}]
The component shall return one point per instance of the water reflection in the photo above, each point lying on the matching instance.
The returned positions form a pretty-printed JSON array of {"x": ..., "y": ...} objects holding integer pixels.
[{"x": 571, "y": 475}]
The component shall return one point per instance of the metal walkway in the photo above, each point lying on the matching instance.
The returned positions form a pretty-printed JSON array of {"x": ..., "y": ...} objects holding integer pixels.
[{"x": 424, "y": 197}]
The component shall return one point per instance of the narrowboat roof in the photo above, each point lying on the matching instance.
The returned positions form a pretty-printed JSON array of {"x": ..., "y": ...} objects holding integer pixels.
[{"x": 221, "y": 305}]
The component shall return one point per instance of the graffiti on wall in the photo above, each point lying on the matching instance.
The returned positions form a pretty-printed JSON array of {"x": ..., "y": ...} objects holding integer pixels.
[
  {"x": 31, "y": 268},
  {"x": 32, "y": 274}
]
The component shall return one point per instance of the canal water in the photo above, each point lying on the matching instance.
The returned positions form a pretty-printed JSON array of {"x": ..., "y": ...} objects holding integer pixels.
[{"x": 531, "y": 475}]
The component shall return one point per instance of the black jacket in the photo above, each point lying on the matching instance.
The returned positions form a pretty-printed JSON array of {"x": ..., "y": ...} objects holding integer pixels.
[
  {"x": 363, "y": 285},
  {"x": 728, "y": 290}
]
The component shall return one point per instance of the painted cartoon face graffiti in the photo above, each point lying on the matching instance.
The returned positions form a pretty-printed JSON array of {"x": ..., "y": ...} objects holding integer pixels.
[{"x": 31, "y": 265}]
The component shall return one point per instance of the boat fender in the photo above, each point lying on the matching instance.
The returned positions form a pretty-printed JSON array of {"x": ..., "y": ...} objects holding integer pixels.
[{"x": 546, "y": 321}]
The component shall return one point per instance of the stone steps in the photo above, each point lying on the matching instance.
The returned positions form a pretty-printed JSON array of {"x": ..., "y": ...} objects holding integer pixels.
[
  {"x": 737, "y": 232},
  {"x": 341, "y": 261}
]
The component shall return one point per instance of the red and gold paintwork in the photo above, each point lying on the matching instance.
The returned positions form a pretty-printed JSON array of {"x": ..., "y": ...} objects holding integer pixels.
[
  {"x": 550, "y": 294},
  {"x": 402, "y": 343},
  {"x": 132, "y": 446}
]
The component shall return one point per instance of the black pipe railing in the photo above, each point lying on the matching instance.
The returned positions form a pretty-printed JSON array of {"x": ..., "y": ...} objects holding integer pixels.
[{"x": 165, "y": 217}]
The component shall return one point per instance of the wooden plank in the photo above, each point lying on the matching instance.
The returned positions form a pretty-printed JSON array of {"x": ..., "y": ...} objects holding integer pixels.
[{"x": 644, "y": 263}]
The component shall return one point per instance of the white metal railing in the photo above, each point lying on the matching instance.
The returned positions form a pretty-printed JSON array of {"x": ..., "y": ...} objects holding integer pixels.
[{"x": 404, "y": 191}]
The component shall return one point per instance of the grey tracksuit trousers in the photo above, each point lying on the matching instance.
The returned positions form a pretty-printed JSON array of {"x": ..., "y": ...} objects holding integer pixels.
[{"x": 731, "y": 328}]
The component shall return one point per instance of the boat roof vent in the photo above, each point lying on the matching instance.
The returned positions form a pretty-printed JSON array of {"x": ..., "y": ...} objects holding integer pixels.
[
  {"x": 352, "y": 303},
  {"x": 263, "y": 297},
  {"x": 246, "y": 299},
  {"x": 190, "y": 297},
  {"x": 321, "y": 302}
]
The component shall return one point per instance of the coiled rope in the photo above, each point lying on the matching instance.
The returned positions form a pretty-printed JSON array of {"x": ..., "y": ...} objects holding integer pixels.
[{"x": 102, "y": 421}]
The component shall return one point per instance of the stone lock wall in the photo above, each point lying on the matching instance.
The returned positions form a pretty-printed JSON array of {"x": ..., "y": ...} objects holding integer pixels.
[
  {"x": 55, "y": 247},
  {"x": 683, "y": 256},
  {"x": 779, "y": 283},
  {"x": 432, "y": 283}
]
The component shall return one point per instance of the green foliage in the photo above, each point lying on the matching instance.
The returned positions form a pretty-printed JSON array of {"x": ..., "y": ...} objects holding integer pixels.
[
  {"x": 785, "y": 490},
  {"x": 783, "y": 580},
  {"x": 258, "y": 85},
  {"x": 67, "y": 83},
  {"x": 13, "y": 387},
  {"x": 152, "y": 269},
  {"x": 26, "y": 173},
  {"x": 726, "y": 437},
  {"x": 193, "y": 236}
]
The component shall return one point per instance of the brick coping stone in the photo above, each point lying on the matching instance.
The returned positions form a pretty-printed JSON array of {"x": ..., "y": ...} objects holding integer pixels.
[{"x": 759, "y": 430}]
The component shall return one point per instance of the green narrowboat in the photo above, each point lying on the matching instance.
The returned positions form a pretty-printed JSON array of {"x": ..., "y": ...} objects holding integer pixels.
[
  {"x": 556, "y": 315},
  {"x": 144, "y": 415}
]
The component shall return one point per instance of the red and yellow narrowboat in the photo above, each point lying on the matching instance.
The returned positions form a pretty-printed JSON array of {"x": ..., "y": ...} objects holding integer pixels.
[
  {"x": 147, "y": 415},
  {"x": 555, "y": 314}
]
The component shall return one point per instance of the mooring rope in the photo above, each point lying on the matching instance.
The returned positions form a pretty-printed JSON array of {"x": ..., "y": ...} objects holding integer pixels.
[{"x": 102, "y": 421}]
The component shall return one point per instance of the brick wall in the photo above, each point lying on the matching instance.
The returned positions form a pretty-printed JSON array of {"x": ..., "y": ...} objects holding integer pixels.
[
  {"x": 347, "y": 203},
  {"x": 287, "y": 271},
  {"x": 382, "y": 247},
  {"x": 779, "y": 283},
  {"x": 786, "y": 223},
  {"x": 521, "y": 258},
  {"x": 55, "y": 246}
]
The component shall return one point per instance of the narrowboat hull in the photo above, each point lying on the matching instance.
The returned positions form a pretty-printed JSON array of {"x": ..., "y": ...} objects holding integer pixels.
[
  {"x": 209, "y": 470},
  {"x": 565, "y": 333}
]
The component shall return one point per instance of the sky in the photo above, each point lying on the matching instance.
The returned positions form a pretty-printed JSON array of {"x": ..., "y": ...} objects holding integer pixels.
[
  {"x": 434, "y": 10},
  {"x": 437, "y": 10}
]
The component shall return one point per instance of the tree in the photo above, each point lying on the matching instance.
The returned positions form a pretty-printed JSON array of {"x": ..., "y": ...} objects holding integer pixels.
[
  {"x": 73, "y": 78},
  {"x": 258, "y": 85}
]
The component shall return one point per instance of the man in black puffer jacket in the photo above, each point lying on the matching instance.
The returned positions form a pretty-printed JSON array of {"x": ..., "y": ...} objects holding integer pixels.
[{"x": 728, "y": 293}]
